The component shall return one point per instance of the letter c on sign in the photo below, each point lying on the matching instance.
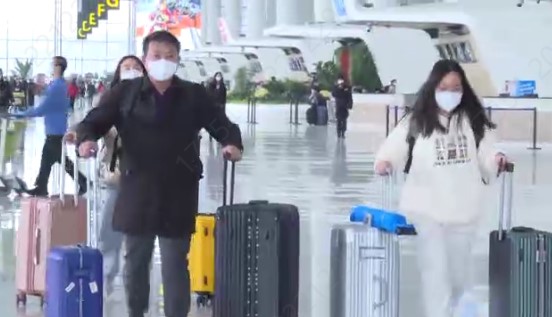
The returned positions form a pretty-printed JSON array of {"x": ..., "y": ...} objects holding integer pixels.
[
  {"x": 80, "y": 33},
  {"x": 85, "y": 26}
]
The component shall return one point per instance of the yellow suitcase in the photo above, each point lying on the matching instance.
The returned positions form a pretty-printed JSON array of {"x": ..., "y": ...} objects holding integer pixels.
[{"x": 201, "y": 259}]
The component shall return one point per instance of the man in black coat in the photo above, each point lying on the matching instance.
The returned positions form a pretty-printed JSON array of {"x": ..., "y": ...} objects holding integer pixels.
[
  {"x": 343, "y": 103},
  {"x": 158, "y": 119}
]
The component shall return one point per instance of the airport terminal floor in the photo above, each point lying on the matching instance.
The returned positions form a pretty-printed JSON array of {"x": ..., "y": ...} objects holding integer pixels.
[{"x": 306, "y": 166}]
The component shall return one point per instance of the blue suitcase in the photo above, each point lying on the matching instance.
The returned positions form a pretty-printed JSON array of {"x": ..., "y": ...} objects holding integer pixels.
[
  {"x": 382, "y": 219},
  {"x": 74, "y": 282}
]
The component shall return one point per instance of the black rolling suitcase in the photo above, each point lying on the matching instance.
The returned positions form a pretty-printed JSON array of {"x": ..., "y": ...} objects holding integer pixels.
[
  {"x": 520, "y": 264},
  {"x": 256, "y": 258}
]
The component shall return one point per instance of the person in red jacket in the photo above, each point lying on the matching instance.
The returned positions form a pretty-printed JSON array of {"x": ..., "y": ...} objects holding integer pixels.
[{"x": 73, "y": 91}]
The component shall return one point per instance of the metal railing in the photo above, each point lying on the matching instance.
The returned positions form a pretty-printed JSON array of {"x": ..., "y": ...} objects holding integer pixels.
[{"x": 534, "y": 126}]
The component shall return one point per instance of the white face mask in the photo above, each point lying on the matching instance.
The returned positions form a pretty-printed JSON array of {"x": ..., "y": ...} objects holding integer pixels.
[
  {"x": 218, "y": 78},
  {"x": 162, "y": 69},
  {"x": 129, "y": 74},
  {"x": 448, "y": 100}
]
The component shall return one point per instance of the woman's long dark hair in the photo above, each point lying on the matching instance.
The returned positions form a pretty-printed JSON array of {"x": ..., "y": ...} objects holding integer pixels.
[
  {"x": 425, "y": 112},
  {"x": 117, "y": 74}
]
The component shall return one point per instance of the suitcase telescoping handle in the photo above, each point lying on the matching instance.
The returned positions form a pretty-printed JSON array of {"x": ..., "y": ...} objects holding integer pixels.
[
  {"x": 388, "y": 188},
  {"x": 505, "y": 200},
  {"x": 61, "y": 174},
  {"x": 225, "y": 182}
]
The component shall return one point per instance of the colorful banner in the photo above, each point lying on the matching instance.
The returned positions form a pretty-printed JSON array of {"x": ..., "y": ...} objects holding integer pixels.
[
  {"x": 91, "y": 12},
  {"x": 180, "y": 17},
  {"x": 521, "y": 88}
]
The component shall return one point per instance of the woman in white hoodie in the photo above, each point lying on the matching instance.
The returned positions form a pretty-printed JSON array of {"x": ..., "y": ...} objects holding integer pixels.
[{"x": 446, "y": 144}]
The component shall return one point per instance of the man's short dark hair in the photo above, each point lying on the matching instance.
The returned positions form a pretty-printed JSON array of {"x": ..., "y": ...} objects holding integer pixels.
[
  {"x": 61, "y": 62},
  {"x": 161, "y": 37}
]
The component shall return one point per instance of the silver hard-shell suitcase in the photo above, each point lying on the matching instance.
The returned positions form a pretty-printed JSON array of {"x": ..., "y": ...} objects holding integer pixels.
[
  {"x": 364, "y": 272},
  {"x": 365, "y": 266}
]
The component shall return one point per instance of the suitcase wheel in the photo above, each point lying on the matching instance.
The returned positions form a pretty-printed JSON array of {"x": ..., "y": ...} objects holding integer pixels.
[
  {"x": 21, "y": 298},
  {"x": 203, "y": 300}
]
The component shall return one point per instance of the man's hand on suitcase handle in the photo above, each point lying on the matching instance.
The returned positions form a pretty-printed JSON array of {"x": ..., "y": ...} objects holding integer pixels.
[
  {"x": 231, "y": 153},
  {"x": 88, "y": 149},
  {"x": 501, "y": 161}
]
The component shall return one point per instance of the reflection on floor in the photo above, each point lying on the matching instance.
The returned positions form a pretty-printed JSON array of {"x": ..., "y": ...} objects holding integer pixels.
[{"x": 308, "y": 167}]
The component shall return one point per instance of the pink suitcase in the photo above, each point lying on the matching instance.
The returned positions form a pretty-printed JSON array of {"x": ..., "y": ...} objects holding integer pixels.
[{"x": 46, "y": 222}]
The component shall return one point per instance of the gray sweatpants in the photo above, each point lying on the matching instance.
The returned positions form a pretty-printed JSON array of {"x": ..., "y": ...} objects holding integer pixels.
[{"x": 174, "y": 272}]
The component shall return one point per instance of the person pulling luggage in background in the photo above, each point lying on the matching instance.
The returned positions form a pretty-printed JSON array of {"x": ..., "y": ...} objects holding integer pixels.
[
  {"x": 319, "y": 104},
  {"x": 158, "y": 118},
  {"x": 110, "y": 241},
  {"x": 447, "y": 144},
  {"x": 343, "y": 103},
  {"x": 54, "y": 109}
]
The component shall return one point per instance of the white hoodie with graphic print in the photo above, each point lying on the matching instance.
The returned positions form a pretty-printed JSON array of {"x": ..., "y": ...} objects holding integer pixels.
[{"x": 444, "y": 183}]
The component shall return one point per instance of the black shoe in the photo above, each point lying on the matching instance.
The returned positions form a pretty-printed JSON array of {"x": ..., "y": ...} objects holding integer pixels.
[
  {"x": 37, "y": 191},
  {"x": 83, "y": 189}
]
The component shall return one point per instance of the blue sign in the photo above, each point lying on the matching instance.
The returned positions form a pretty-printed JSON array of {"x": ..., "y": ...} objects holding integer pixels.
[
  {"x": 340, "y": 9},
  {"x": 526, "y": 88}
]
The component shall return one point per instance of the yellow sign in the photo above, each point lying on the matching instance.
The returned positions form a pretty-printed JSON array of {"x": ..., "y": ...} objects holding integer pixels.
[{"x": 91, "y": 12}]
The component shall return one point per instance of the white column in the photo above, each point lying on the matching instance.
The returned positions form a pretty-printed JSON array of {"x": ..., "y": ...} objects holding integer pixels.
[
  {"x": 287, "y": 12},
  {"x": 323, "y": 11},
  {"x": 204, "y": 21},
  {"x": 214, "y": 13},
  {"x": 307, "y": 14},
  {"x": 233, "y": 16},
  {"x": 256, "y": 18},
  {"x": 270, "y": 13}
]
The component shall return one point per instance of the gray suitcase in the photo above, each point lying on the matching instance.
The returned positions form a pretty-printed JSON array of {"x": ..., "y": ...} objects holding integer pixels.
[
  {"x": 520, "y": 264},
  {"x": 364, "y": 272}
]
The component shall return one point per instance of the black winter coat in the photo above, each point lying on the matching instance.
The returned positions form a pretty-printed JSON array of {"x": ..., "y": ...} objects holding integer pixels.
[
  {"x": 343, "y": 100},
  {"x": 160, "y": 165},
  {"x": 218, "y": 93}
]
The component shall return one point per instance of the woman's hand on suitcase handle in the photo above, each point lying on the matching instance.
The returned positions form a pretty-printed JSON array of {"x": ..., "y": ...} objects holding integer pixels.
[
  {"x": 501, "y": 161},
  {"x": 383, "y": 168}
]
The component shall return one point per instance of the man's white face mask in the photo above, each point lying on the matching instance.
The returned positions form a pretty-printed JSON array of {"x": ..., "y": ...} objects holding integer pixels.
[{"x": 162, "y": 69}]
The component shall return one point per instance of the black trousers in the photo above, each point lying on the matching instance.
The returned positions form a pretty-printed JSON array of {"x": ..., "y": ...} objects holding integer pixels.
[
  {"x": 51, "y": 154},
  {"x": 341, "y": 116},
  {"x": 72, "y": 103}
]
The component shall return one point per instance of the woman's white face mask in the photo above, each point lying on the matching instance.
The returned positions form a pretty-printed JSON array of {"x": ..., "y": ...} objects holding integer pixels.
[
  {"x": 129, "y": 74},
  {"x": 448, "y": 100}
]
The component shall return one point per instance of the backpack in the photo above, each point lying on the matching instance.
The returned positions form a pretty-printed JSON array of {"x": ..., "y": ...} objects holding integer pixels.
[{"x": 411, "y": 140}]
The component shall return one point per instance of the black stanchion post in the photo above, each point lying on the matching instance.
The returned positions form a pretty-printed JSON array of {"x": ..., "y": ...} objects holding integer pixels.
[
  {"x": 534, "y": 130},
  {"x": 396, "y": 115},
  {"x": 386, "y": 120},
  {"x": 290, "y": 111},
  {"x": 490, "y": 113},
  {"x": 297, "y": 112},
  {"x": 254, "y": 111},
  {"x": 249, "y": 110}
]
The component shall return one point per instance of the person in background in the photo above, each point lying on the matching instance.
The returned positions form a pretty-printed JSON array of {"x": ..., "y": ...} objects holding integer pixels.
[
  {"x": 90, "y": 92},
  {"x": 54, "y": 110},
  {"x": 101, "y": 87},
  {"x": 343, "y": 103},
  {"x": 158, "y": 118},
  {"x": 447, "y": 146},
  {"x": 6, "y": 93},
  {"x": 320, "y": 105},
  {"x": 217, "y": 90},
  {"x": 31, "y": 91},
  {"x": 391, "y": 88},
  {"x": 110, "y": 241},
  {"x": 73, "y": 93}
]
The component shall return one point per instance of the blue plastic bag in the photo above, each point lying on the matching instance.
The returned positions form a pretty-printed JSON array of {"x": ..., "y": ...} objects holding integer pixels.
[{"x": 385, "y": 220}]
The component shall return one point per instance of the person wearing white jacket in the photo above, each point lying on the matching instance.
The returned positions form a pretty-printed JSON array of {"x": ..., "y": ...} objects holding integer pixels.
[{"x": 446, "y": 142}]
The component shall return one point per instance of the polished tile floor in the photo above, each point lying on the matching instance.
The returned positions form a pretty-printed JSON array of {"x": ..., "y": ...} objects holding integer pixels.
[{"x": 308, "y": 167}]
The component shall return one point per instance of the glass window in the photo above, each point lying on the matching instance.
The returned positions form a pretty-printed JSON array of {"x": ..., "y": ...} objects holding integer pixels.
[
  {"x": 3, "y": 50},
  {"x": 442, "y": 51},
  {"x": 459, "y": 53},
  {"x": 468, "y": 52},
  {"x": 450, "y": 52},
  {"x": 72, "y": 48},
  {"x": 94, "y": 50},
  {"x": 117, "y": 50}
]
